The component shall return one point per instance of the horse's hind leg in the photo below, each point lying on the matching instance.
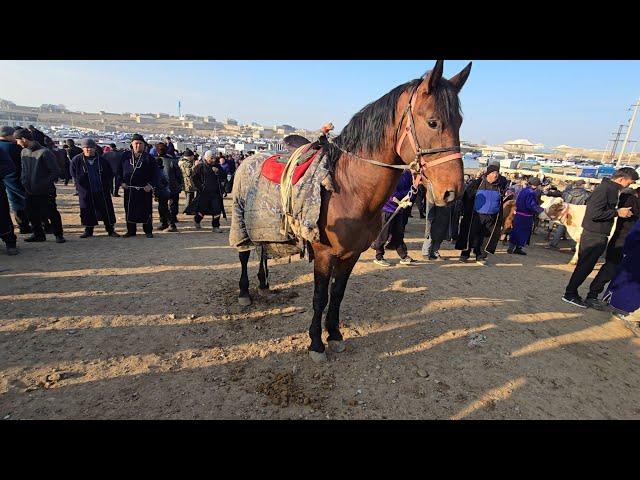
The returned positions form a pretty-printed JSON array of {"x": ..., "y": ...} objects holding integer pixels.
[
  {"x": 321, "y": 277},
  {"x": 341, "y": 273},
  {"x": 244, "y": 298},
  {"x": 263, "y": 272}
]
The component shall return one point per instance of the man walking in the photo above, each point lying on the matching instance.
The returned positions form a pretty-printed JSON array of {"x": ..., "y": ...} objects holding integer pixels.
[
  {"x": 602, "y": 209},
  {"x": 38, "y": 176}
]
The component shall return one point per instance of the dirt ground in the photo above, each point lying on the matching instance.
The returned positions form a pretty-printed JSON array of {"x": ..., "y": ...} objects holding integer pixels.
[{"x": 143, "y": 328}]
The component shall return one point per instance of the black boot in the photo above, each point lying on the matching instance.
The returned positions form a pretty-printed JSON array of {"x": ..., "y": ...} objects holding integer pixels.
[{"x": 88, "y": 232}]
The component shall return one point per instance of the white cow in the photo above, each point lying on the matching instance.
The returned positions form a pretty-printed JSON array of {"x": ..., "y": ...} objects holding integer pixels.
[{"x": 570, "y": 216}]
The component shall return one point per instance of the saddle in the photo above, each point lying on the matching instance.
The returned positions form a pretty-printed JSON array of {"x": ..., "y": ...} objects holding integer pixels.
[{"x": 273, "y": 166}]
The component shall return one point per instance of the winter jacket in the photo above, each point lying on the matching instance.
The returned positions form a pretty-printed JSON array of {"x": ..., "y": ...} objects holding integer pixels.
[
  {"x": 39, "y": 170},
  {"x": 602, "y": 207}
]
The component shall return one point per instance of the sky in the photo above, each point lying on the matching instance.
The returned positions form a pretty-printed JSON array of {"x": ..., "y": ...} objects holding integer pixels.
[{"x": 577, "y": 103}]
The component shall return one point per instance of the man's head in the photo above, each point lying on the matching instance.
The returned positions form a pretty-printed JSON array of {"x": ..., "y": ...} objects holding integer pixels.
[
  {"x": 625, "y": 176},
  {"x": 6, "y": 133},
  {"x": 187, "y": 153},
  {"x": 23, "y": 137},
  {"x": 168, "y": 139},
  {"x": 161, "y": 148},
  {"x": 209, "y": 156},
  {"x": 579, "y": 184},
  {"x": 534, "y": 182},
  {"x": 70, "y": 142},
  {"x": 89, "y": 147},
  {"x": 48, "y": 142},
  {"x": 138, "y": 144},
  {"x": 113, "y": 146},
  {"x": 493, "y": 172}
]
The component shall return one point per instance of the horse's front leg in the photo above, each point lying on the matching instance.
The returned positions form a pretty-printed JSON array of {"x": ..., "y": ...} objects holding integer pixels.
[
  {"x": 244, "y": 299},
  {"x": 321, "y": 276},
  {"x": 341, "y": 273}
]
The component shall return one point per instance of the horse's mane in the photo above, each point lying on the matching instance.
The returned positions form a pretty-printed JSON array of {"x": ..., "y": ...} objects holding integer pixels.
[{"x": 366, "y": 129}]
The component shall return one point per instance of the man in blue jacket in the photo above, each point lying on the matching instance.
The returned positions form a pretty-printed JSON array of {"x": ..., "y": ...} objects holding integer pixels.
[{"x": 482, "y": 215}]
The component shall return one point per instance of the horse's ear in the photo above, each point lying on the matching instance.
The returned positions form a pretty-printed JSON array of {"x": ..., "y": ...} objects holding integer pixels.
[
  {"x": 432, "y": 78},
  {"x": 459, "y": 80}
]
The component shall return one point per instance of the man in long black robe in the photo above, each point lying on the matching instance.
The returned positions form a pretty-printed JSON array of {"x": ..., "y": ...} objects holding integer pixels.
[
  {"x": 93, "y": 177},
  {"x": 138, "y": 176}
]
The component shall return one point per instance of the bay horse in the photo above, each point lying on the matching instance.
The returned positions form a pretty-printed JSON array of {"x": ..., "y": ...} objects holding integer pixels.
[{"x": 416, "y": 124}]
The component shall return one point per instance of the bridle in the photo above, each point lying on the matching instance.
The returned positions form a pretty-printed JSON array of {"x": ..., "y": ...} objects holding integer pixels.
[
  {"x": 409, "y": 132},
  {"x": 419, "y": 163}
]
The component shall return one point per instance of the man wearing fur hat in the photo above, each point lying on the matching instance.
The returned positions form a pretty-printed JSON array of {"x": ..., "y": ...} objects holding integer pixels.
[{"x": 138, "y": 174}]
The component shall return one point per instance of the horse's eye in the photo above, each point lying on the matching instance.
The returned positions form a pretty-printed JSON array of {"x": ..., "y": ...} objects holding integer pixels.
[{"x": 432, "y": 124}]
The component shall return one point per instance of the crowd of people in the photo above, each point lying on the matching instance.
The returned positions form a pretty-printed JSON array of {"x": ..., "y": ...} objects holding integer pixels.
[
  {"x": 31, "y": 164},
  {"x": 476, "y": 222}
]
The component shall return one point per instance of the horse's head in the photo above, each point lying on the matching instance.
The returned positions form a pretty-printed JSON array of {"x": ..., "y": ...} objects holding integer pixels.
[{"x": 430, "y": 121}]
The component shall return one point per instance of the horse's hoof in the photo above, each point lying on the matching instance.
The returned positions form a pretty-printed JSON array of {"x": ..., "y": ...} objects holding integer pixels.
[
  {"x": 337, "y": 346},
  {"x": 244, "y": 301},
  {"x": 318, "y": 357},
  {"x": 264, "y": 291}
]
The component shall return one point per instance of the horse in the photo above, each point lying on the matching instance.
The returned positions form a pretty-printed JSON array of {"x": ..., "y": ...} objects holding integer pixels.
[{"x": 366, "y": 160}]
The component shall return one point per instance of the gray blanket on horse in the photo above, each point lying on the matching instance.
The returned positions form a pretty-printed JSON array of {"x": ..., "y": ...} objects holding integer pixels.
[{"x": 257, "y": 218}]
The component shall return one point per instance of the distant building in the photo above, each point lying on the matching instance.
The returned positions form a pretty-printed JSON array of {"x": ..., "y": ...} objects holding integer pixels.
[{"x": 231, "y": 121}]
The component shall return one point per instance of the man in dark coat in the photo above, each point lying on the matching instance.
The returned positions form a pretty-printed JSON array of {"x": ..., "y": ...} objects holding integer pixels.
[
  {"x": 482, "y": 215},
  {"x": 629, "y": 198},
  {"x": 73, "y": 149},
  {"x": 602, "y": 208},
  {"x": 208, "y": 201},
  {"x": 138, "y": 176},
  {"x": 6, "y": 225},
  {"x": 439, "y": 226},
  {"x": 623, "y": 293},
  {"x": 93, "y": 177},
  {"x": 114, "y": 159},
  {"x": 168, "y": 206},
  {"x": 37, "y": 135},
  {"x": 39, "y": 172},
  {"x": 13, "y": 186}
]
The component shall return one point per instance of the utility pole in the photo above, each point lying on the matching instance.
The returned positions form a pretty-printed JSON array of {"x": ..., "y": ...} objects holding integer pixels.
[
  {"x": 615, "y": 141},
  {"x": 604, "y": 152},
  {"x": 626, "y": 138}
]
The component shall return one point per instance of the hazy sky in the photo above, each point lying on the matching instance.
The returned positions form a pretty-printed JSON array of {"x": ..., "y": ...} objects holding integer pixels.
[{"x": 552, "y": 102}]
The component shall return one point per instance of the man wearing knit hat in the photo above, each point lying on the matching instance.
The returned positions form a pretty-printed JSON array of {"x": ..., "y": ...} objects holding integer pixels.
[
  {"x": 93, "y": 178},
  {"x": 138, "y": 174},
  {"x": 482, "y": 215}
]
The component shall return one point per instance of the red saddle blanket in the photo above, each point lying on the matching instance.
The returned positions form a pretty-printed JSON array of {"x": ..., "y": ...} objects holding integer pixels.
[{"x": 272, "y": 169}]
